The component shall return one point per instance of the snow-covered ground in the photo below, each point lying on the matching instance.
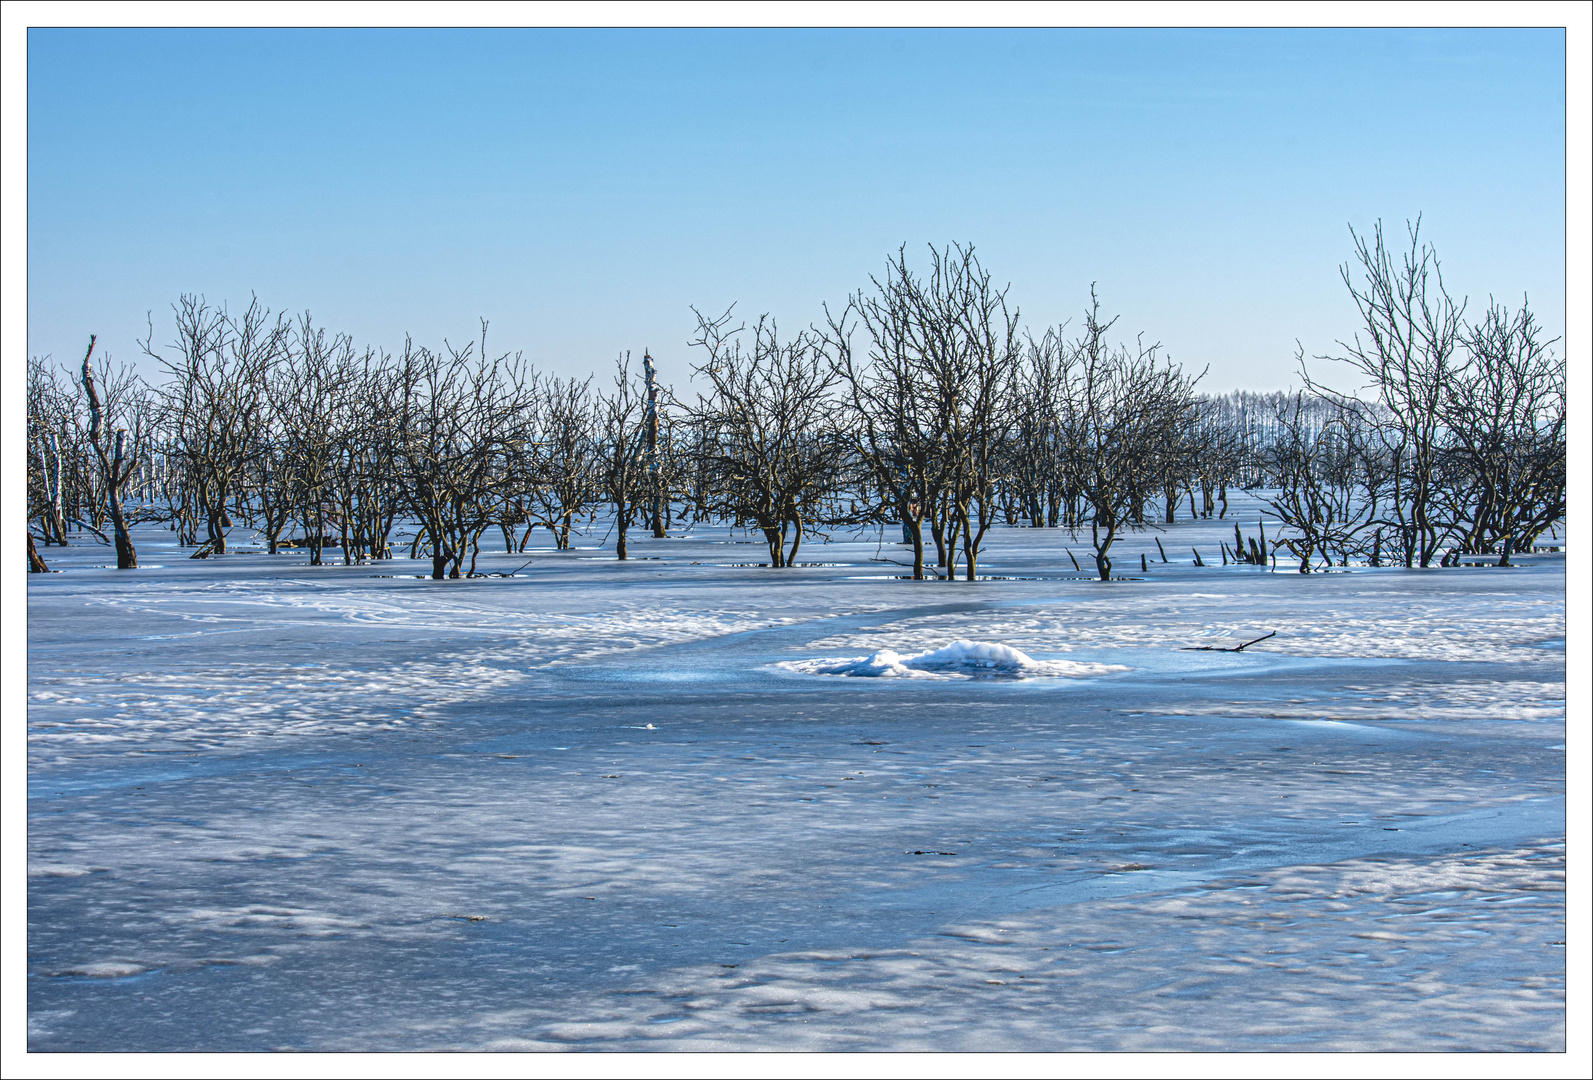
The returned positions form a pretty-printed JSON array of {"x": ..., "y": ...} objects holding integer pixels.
[{"x": 651, "y": 805}]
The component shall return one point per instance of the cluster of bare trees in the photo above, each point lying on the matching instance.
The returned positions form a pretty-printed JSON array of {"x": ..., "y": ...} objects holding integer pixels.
[
  {"x": 89, "y": 432},
  {"x": 918, "y": 405},
  {"x": 1454, "y": 445},
  {"x": 280, "y": 424}
]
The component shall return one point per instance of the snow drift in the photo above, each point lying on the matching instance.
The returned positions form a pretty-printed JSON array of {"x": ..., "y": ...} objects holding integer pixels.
[{"x": 959, "y": 660}]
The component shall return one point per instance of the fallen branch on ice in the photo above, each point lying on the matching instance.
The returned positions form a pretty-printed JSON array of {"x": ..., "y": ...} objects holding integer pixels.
[{"x": 1219, "y": 648}]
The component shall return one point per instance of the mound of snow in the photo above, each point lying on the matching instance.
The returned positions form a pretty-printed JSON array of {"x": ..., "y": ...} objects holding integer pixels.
[{"x": 959, "y": 660}]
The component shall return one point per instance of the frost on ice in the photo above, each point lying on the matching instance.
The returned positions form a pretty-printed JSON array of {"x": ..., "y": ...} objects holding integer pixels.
[{"x": 962, "y": 659}]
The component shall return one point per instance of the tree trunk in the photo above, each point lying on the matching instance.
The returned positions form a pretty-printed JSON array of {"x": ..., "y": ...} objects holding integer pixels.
[
  {"x": 1103, "y": 561},
  {"x": 126, "y": 555},
  {"x": 796, "y": 543},
  {"x": 56, "y": 517},
  {"x": 214, "y": 531},
  {"x": 35, "y": 563}
]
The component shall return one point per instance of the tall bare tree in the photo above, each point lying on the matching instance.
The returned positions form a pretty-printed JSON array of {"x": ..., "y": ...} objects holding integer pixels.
[
  {"x": 932, "y": 400},
  {"x": 566, "y": 485},
  {"x": 462, "y": 417},
  {"x": 622, "y": 451},
  {"x": 1411, "y": 327},
  {"x": 216, "y": 399},
  {"x": 1120, "y": 408},
  {"x": 767, "y": 436},
  {"x": 118, "y": 455},
  {"x": 1319, "y": 472},
  {"x": 1506, "y": 421}
]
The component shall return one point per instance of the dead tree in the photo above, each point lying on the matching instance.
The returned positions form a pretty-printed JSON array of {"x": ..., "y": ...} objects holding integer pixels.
[
  {"x": 765, "y": 429},
  {"x": 36, "y": 563},
  {"x": 622, "y": 451},
  {"x": 1121, "y": 409},
  {"x": 116, "y": 465},
  {"x": 220, "y": 371},
  {"x": 1321, "y": 493},
  {"x": 565, "y": 485},
  {"x": 267, "y": 478},
  {"x": 932, "y": 400},
  {"x": 900, "y": 434},
  {"x": 1506, "y": 424},
  {"x": 659, "y": 510},
  {"x": 51, "y": 421},
  {"x": 1412, "y": 328},
  {"x": 973, "y": 355},
  {"x": 461, "y": 418},
  {"x": 316, "y": 397}
]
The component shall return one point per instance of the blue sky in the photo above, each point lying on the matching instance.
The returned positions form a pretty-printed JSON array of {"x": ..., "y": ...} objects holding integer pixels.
[{"x": 581, "y": 189}]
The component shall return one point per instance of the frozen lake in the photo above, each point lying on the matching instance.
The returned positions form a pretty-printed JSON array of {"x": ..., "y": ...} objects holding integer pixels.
[{"x": 275, "y": 806}]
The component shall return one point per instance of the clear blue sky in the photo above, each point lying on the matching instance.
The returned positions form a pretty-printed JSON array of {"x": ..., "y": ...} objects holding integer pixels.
[{"x": 580, "y": 189}]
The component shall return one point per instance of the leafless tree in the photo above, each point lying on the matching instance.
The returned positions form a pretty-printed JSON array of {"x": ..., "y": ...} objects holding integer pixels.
[
  {"x": 766, "y": 429},
  {"x": 622, "y": 451},
  {"x": 1412, "y": 328},
  {"x": 220, "y": 371},
  {"x": 1506, "y": 423},
  {"x": 321, "y": 433},
  {"x": 461, "y": 418},
  {"x": 1321, "y": 493},
  {"x": 1121, "y": 408},
  {"x": 899, "y": 433},
  {"x": 566, "y": 484},
  {"x": 931, "y": 401},
  {"x": 118, "y": 455},
  {"x": 51, "y": 424},
  {"x": 1041, "y": 476}
]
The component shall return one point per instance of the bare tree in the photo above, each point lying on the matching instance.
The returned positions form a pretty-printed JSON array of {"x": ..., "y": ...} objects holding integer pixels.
[
  {"x": 1412, "y": 328},
  {"x": 1321, "y": 492},
  {"x": 1120, "y": 410},
  {"x": 566, "y": 485},
  {"x": 766, "y": 429},
  {"x": 932, "y": 401},
  {"x": 659, "y": 512},
  {"x": 317, "y": 398},
  {"x": 462, "y": 417},
  {"x": 116, "y": 465},
  {"x": 216, "y": 400},
  {"x": 50, "y": 423},
  {"x": 622, "y": 451},
  {"x": 1506, "y": 423},
  {"x": 900, "y": 436},
  {"x": 268, "y": 478}
]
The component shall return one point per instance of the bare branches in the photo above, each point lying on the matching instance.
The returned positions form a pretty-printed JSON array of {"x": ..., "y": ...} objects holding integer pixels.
[
  {"x": 116, "y": 465},
  {"x": 931, "y": 402},
  {"x": 1320, "y": 470},
  {"x": 768, "y": 450},
  {"x": 621, "y": 450},
  {"x": 915, "y": 405},
  {"x": 220, "y": 368},
  {"x": 1412, "y": 328}
]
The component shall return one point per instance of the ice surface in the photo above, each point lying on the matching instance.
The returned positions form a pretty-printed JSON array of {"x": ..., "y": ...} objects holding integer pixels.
[
  {"x": 604, "y": 805},
  {"x": 960, "y": 660}
]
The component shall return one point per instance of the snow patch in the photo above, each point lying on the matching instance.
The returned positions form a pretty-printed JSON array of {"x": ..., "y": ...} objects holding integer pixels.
[{"x": 962, "y": 659}]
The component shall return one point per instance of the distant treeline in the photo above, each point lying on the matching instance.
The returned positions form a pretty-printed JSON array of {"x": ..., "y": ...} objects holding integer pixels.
[{"x": 919, "y": 404}]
